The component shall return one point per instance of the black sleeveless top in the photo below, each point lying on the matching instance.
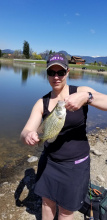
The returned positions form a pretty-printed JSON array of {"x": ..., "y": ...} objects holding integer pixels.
[{"x": 71, "y": 143}]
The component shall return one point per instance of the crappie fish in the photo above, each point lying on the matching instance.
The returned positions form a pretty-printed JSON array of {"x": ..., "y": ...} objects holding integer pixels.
[{"x": 52, "y": 125}]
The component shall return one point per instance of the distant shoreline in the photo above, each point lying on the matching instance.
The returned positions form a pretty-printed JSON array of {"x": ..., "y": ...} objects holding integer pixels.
[
  {"x": 88, "y": 70},
  {"x": 71, "y": 68}
]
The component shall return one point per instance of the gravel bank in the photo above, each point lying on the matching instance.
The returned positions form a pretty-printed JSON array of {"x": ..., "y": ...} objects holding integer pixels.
[{"x": 32, "y": 204}]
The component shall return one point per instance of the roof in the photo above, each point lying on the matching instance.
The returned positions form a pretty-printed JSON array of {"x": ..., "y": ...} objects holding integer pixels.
[{"x": 77, "y": 58}]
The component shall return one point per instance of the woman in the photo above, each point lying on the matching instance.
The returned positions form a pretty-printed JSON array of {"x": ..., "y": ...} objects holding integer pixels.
[{"x": 64, "y": 166}]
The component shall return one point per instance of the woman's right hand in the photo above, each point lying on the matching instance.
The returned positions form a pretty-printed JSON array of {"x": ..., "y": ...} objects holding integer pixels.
[
  {"x": 30, "y": 138},
  {"x": 29, "y": 135}
]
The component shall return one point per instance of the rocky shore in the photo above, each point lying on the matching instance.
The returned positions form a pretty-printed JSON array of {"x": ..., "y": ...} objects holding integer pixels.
[{"x": 27, "y": 206}]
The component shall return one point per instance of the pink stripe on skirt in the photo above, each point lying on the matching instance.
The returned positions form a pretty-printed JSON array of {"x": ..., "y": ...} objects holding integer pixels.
[{"x": 81, "y": 160}]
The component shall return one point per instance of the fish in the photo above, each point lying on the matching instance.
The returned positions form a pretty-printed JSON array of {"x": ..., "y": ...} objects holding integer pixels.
[{"x": 52, "y": 124}]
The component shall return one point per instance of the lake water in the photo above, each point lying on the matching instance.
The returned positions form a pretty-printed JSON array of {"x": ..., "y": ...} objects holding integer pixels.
[{"x": 20, "y": 88}]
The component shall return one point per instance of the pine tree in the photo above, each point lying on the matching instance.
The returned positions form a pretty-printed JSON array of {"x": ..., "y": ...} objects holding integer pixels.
[{"x": 26, "y": 49}]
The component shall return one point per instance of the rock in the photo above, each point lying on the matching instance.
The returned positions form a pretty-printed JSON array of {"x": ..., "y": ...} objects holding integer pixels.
[
  {"x": 100, "y": 178},
  {"x": 32, "y": 159},
  {"x": 96, "y": 152},
  {"x": 12, "y": 191},
  {"x": 11, "y": 216},
  {"x": 97, "y": 136},
  {"x": 1, "y": 195},
  {"x": 5, "y": 183},
  {"x": 92, "y": 134}
]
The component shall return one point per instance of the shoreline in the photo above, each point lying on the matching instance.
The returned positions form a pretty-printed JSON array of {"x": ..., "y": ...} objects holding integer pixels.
[
  {"x": 28, "y": 205},
  {"x": 9, "y": 171},
  {"x": 71, "y": 68},
  {"x": 88, "y": 70}
]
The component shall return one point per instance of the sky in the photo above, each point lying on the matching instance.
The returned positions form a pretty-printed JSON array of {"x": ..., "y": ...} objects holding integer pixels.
[{"x": 77, "y": 27}]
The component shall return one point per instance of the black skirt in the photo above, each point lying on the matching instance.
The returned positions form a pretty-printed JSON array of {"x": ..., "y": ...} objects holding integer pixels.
[{"x": 66, "y": 183}]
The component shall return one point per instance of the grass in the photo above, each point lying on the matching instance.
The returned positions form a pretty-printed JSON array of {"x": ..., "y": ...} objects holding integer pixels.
[
  {"x": 90, "y": 67},
  {"x": 25, "y": 61},
  {"x": 31, "y": 61}
]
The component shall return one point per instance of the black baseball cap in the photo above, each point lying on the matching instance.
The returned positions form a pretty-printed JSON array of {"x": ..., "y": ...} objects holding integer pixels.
[{"x": 57, "y": 59}]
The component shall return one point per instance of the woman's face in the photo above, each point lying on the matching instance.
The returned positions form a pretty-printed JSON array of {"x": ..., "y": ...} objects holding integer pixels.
[{"x": 57, "y": 82}]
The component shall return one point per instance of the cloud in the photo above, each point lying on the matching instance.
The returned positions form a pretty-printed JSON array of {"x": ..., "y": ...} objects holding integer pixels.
[
  {"x": 77, "y": 14},
  {"x": 92, "y": 31},
  {"x": 95, "y": 56}
]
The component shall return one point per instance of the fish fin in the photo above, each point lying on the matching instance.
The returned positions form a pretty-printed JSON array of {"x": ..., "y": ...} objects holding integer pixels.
[{"x": 52, "y": 139}]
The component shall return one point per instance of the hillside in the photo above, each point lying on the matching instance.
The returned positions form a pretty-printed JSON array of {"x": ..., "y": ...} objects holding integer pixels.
[
  {"x": 88, "y": 59},
  {"x": 8, "y": 51}
]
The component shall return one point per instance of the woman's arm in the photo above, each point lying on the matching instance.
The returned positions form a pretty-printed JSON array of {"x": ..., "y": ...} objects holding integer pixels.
[
  {"x": 29, "y": 133},
  {"x": 99, "y": 99},
  {"x": 76, "y": 100}
]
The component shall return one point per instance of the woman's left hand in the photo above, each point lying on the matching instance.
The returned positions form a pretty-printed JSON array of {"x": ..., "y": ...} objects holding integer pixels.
[{"x": 74, "y": 101}]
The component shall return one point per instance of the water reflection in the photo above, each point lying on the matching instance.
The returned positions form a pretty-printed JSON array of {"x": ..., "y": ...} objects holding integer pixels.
[
  {"x": 97, "y": 77},
  {"x": 75, "y": 75},
  {"x": 27, "y": 72},
  {"x": 30, "y": 69},
  {"x": 24, "y": 74}
]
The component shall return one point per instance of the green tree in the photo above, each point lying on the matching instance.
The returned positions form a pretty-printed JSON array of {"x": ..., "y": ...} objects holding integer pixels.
[
  {"x": 50, "y": 52},
  {"x": 99, "y": 63},
  {"x": 39, "y": 57},
  {"x": 26, "y": 49},
  {"x": 36, "y": 56}
]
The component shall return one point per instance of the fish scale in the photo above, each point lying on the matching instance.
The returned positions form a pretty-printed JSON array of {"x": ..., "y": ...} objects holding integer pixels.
[{"x": 52, "y": 125}]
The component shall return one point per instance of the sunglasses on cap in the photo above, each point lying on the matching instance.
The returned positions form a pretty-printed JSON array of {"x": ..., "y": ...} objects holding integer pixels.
[{"x": 59, "y": 73}]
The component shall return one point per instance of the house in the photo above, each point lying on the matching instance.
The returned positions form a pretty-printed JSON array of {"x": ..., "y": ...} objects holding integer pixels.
[
  {"x": 9, "y": 54},
  {"x": 76, "y": 60}
]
